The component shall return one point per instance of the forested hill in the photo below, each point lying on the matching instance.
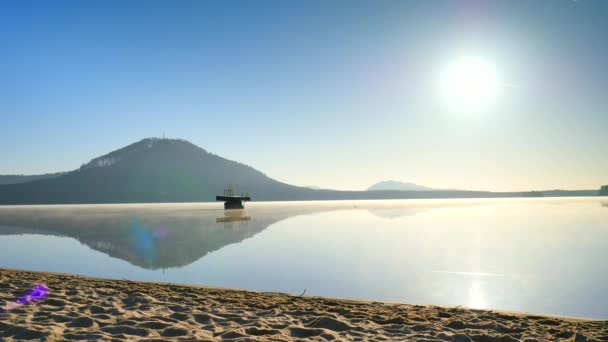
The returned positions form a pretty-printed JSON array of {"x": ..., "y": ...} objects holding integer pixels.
[{"x": 151, "y": 170}]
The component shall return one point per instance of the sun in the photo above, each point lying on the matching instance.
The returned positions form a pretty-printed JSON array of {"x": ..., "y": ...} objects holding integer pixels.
[{"x": 469, "y": 84}]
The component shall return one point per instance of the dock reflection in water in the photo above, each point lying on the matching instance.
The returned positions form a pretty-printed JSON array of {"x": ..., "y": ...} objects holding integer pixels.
[{"x": 232, "y": 217}]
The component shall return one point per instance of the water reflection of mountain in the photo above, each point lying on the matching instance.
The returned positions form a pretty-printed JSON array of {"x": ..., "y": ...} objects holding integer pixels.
[
  {"x": 150, "y": 239},
  {"x": 394, "y": 213},
  {"x": 167, "y": 235},
  {"x": 396, "y": 210},
  {"x": 149, "y": 236}
]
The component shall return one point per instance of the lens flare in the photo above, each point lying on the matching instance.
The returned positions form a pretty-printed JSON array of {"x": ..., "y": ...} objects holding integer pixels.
[
  {"x": 161, "y": 233},
  {"x": 35, "y": 294},
  {"x": 143, "y": 241}
]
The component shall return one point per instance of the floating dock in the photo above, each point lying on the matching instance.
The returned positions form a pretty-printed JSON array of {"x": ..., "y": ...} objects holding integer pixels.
[{"x": 233, "y": 202}]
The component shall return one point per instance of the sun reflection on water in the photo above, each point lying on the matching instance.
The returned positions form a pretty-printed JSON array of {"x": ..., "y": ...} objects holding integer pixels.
[{"x": 477, "y": 298}]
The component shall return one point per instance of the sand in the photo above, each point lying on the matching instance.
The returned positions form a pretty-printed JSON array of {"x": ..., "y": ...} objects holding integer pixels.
[{"x": 80, "y": 308}]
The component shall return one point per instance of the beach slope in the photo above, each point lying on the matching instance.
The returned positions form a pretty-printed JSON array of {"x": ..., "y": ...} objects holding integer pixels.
[{"x": 78, "y": 308}]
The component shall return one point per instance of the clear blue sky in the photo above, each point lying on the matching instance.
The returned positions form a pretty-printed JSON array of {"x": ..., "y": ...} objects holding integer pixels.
[{"x": 338, "y": 94}]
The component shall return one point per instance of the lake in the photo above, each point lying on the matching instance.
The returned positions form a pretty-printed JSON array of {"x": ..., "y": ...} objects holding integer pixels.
[{"x": 537, "y": 255}]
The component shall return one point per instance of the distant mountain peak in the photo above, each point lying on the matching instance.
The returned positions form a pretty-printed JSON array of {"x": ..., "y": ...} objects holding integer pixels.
[
  {"x": 398, "y": 185},
  {"x": 312, "y": 187}
]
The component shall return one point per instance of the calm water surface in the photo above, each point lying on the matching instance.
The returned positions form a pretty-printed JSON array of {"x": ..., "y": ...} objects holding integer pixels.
[{"x": 537, "y": 255}]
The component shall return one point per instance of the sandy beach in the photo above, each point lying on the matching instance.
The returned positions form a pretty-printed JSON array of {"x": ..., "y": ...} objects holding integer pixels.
[{"x": 78, "y": 308}]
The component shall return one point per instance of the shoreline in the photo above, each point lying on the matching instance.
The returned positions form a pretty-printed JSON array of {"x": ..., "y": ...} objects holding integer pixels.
[{"x": 79, "y": 307}]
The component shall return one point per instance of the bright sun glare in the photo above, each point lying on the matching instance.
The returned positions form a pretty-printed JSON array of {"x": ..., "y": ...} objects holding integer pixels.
[{"x": 469, "y": 84}]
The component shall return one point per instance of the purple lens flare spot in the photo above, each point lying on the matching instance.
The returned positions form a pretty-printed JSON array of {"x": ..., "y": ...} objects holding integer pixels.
[
  {"x": 161, "y": 233},
  {"x": 37, "y": 293}
]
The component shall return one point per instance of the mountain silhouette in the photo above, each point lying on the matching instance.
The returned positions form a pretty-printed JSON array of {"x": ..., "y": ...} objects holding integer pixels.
[
  {"x": 172, "y": 170},
  {"x": 151, "y": 170},
  {"x": 397, "y": 185}
]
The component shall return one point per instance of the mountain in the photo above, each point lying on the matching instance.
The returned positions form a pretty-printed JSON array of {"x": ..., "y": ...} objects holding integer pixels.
[
  {"x": 16, "y": 179},
  {"x": 396, "y": 185},
  {"x": 603, "y": 191},
  {"x": 151, "y": 170},
  {"x": 172, "y": 170}
]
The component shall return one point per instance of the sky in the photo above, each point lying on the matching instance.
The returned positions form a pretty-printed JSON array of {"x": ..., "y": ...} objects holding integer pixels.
[{"x": 335, "y": 94}]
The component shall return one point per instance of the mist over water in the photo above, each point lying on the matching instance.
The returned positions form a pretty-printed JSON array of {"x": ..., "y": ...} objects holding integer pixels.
[{"x": 536, "y": 255}]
